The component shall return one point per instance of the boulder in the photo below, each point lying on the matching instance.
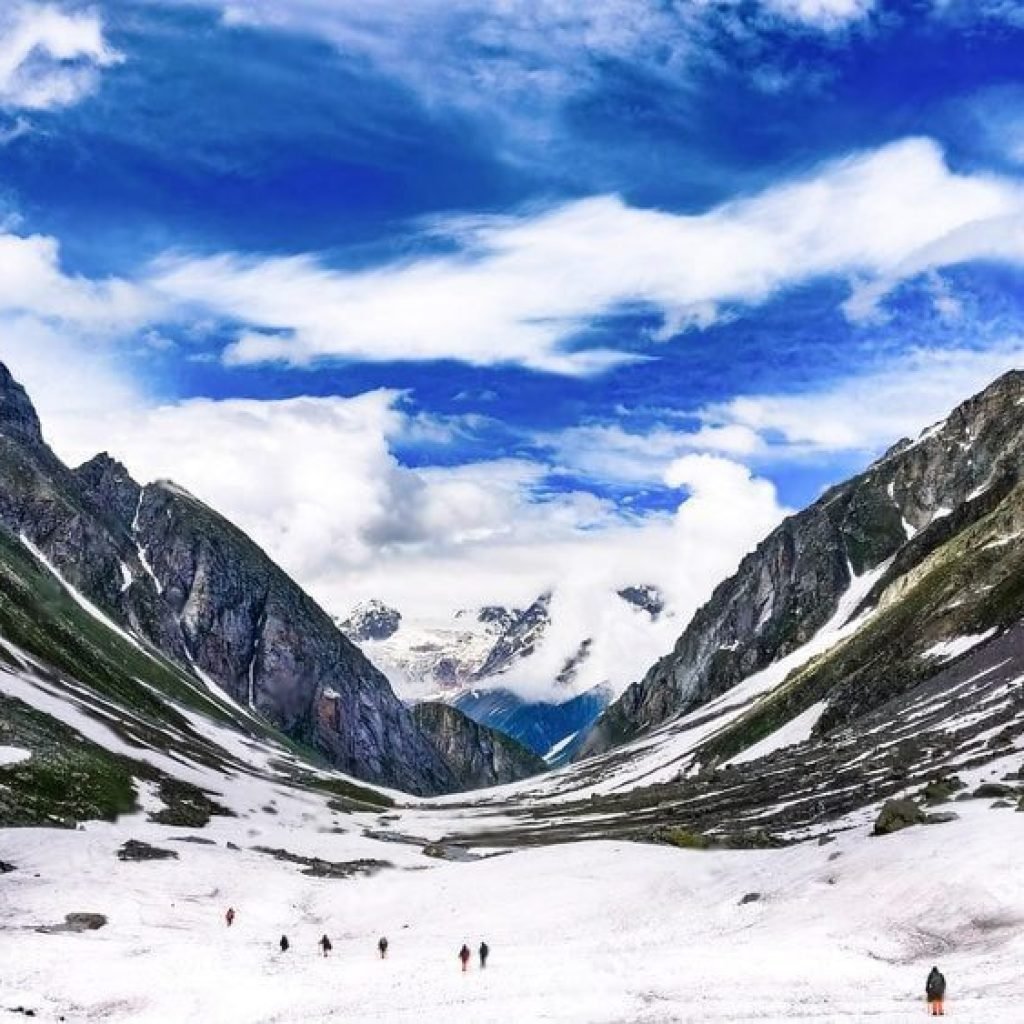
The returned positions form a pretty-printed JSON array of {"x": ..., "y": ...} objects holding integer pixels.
[
  {"x": 135, "y": 849},
  {"x": 896, "y": 815}
]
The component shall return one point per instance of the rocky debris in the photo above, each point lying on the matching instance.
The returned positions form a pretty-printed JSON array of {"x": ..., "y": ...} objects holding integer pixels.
[
  {"x": 901, "y": 517},
  {"x": 372, "y": 620},
  {"x": 315, "y": 867},
  {"x": 940, "y": 817},
  {"x": 474, "y": 754},
  {"x": 136, "y": 850},
  {"x": 750, "y": 897},
  {"x": 445, "y": 851},
  {"x": 75, "y": 923},
  {"x": 6, "y": 867},
  {"x": 198, "y": 840}
]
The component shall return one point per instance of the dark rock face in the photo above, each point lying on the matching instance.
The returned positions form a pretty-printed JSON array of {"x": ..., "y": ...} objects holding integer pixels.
[
  {"x": 519, "y": 639},
  {"x": 18, "y": 419},
  {"x": 474, "y": 754},
  {"x": 644, "y": 597},
  {"x": 248, "y": 625},
  {"x": 904, "y": 507},
  {"x": 162, "y": 564},
  {"x": 110, "y": 484}
]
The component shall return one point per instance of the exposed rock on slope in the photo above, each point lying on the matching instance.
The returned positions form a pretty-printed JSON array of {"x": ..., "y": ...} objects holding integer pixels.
[
  {"x": 889, "y": 520},
  {"x": 173, "y": 572},
  {"x": 476, "y": 755}
]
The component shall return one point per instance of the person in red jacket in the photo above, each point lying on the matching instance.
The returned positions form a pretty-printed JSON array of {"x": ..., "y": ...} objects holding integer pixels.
[{"x": 464, "y": 956}]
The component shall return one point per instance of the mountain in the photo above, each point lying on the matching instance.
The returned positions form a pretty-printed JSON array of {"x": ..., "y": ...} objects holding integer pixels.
[
  {"x": 475, "y": 755},
  {"x": 373, "y": 620},
  {"x": 473, "y": 661},
  {"x": 883, "y": 580},
  {"x": 184, "y": 584},
  {"x": 551, "y": 730}
]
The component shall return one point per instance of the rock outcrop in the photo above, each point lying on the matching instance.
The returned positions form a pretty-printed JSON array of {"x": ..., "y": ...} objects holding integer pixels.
[
  {"x": 476, "y": 755},
  {"x": 171, "y": 571},
  {"x": 887, "y": 521}
]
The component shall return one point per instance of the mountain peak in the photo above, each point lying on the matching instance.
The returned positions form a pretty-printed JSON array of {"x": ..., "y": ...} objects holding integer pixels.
[
  {"x": 18, "y": 417},
  {"x": 110, "y": 485},
  {"x": 372, "y": 620}
]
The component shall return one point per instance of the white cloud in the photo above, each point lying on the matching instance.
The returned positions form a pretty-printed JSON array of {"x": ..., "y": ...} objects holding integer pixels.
[
  {"x": 823, "y": 13},
  {"x": 860, "y": 414},
  {"x": 870, "y": 411},
  {"x": 49, "y": 58},
  {"x": 315, "y": 481},
  {"x": 520, "y": 289}
]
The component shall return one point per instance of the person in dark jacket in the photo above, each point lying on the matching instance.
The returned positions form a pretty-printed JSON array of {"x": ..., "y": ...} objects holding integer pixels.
[
  {"x": 464, "y": 956},
  {"x": 230, "y": 916},
  {"x": 325, "y": 945},
  {"x": 485, "y": 952},
  {"x": 382, "y": 947},
  {"x": 935, "y": 992},
  {"x": 284, "y": 943}
]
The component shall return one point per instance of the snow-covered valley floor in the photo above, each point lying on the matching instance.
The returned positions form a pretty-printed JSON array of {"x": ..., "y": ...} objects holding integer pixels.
[{"x": 587, "y": 932}]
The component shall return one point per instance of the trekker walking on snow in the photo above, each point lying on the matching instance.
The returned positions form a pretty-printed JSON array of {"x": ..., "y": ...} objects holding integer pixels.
[
  {"x": 485, "y": 952},
  {"x": 230, "y": 916},
  {"x": 464, "y": 956},
  {"x": 325, "y": 945},
  {"x": 284, "y": 943},
  {"x": 935, "y": 991},
  {"x": 382, "y": 946}
]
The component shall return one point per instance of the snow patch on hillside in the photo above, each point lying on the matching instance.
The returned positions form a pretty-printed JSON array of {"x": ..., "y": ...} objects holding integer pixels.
[{"x": 947, "y": 649}]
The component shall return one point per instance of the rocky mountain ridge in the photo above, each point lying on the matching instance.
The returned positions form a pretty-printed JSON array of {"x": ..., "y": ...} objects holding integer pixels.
[
  {"x": 906, "y": 508},
  {"x": 179, "y": 577}
]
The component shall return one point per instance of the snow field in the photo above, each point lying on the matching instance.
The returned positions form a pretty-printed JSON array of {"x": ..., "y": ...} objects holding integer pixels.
[{"x": 597, "y": 933}]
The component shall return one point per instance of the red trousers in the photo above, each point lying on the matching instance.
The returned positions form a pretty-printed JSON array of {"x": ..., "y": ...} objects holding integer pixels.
[{"x": 936, "y": 1008}]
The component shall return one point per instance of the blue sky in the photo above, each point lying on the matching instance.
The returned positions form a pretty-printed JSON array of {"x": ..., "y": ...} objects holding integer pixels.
[{"x": 537, "y": 274}]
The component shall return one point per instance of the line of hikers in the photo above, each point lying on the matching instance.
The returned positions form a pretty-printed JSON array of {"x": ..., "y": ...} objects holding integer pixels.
[{"x": 325, "y": 946}]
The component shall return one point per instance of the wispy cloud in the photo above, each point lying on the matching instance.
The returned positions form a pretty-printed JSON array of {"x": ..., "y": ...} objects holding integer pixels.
[
  {"x": 526, "y": 290},
  {"x": 48, "y": 57}
]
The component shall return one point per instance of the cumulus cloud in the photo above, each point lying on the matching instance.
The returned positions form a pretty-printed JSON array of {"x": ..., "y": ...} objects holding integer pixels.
[
  {"x": 524, "y": 290},
  {"x": 316, "y": 482},
  {"x": 50, "y": 58}
]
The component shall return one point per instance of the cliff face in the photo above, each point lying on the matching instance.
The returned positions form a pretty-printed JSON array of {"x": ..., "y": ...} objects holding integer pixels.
[
  {"x": 901, "y": 509},
  {"x": 175, "y": 573},
  {"x": 476, "y": 755}
]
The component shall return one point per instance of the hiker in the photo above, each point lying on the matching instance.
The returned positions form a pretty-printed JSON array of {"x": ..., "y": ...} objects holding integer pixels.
[
  {"x": 325, "y": 945},
  {"x": 284, "y": 943},
  {"x": 935, "y": 991},
  {"x": 464, "y": 956},
  {"x": 230, "y": 916},
  {"x": 485, "y": 952},
  {"x": 382, "y": 945}
]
